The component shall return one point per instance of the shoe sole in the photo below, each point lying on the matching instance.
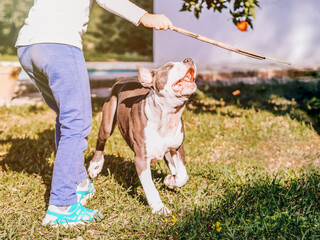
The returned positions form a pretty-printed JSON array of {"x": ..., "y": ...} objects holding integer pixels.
[
  {"x": 50, "y": 223},
  {"x": 66, "y": 225}
]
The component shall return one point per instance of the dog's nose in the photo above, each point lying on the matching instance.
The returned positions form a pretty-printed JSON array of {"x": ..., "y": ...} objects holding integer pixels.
[{"x": 188, "y": 61}]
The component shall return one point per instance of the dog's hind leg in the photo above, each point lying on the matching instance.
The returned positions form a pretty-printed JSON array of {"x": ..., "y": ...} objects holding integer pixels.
[
  {"x": 107, "y": 126},
  {"x": 176, "y": 163}
]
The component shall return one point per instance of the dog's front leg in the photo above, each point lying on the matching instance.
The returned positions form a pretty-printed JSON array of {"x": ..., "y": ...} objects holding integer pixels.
[
  {"x": 176, "y": 163},
  {"x": 96, "y": 164},
  {"x": 152, "y": 194}
]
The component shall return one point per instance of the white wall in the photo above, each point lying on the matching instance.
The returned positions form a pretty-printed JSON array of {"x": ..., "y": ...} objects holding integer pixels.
[{"x": 283, "y": 29}]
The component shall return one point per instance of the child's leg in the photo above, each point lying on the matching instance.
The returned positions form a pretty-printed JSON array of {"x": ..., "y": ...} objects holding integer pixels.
[
  {"x": 60, "y": 73},
  {"x": 41, "y": 82}
]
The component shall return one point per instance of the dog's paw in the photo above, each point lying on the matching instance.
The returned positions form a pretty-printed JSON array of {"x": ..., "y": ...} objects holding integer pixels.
[
  {"x": 170, "y": 181},
  {"x": 161, "y": 210},
  {"x": 175, "y": 181},
  {"x": 95, "y": 167}
]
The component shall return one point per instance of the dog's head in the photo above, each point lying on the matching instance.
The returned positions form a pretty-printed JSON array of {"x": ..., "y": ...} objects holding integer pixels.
[{"x": 175, "y": 79}]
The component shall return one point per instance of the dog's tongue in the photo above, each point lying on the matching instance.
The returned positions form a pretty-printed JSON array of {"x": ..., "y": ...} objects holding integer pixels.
[{"x": 187, "y": 78}]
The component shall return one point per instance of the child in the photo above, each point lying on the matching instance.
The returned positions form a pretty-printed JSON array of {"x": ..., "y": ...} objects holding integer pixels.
[{"x": 50, "y": 51}]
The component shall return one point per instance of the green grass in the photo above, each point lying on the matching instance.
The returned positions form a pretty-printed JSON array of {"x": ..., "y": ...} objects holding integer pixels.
[
  {"x": 254, "y": 174},
  {"x": 111, "y": 57},
  {"x": 5, "y": 57},
  {"x": 296, "y": 98},
  {"x": 102, "y": 57}
]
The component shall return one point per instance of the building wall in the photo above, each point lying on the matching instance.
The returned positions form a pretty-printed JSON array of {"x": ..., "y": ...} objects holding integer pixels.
[{"x": 283, "y": 29}]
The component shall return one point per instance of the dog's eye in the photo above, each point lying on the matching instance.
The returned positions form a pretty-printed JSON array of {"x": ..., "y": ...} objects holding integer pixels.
[{"x": 168, "y": 67}]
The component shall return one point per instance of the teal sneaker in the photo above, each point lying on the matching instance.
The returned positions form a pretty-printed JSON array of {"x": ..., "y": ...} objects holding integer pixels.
[
  {"x": 86, "y": 192},
  {"x": 75, "y": 214}
]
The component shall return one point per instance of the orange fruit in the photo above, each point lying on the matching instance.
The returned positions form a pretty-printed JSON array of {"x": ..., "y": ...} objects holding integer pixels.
[
  {"x": 242, "y": 25},
  {"x": 235, "y": 93}
]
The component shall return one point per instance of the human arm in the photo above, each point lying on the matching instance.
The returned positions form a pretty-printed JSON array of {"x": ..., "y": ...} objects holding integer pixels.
[{"x": 136, "y": 15}]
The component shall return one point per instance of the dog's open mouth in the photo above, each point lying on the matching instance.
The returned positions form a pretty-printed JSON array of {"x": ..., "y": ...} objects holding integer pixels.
[{"x": 188, "y": 78}]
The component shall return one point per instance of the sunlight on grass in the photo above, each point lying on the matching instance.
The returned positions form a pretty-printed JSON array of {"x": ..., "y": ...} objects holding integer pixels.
[{"x": 254, "y": 174}]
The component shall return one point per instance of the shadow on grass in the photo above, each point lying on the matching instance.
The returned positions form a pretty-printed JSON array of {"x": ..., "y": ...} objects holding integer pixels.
[
  {"x": 31, "y": 156},
  {"x": 301, "y": 100},
  {"x": 124, "y": 172},
  {"x": 264, "y": 208}
]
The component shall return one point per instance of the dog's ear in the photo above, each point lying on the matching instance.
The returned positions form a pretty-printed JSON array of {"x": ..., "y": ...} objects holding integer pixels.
[{"x": 145, "y": 76}]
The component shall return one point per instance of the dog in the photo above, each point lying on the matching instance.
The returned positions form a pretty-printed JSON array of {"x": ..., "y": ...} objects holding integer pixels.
[{"x": 148, "y": 112}]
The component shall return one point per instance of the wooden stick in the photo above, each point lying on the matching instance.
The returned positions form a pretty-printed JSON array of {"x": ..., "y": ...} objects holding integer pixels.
[{"x": 225, "y": 46}]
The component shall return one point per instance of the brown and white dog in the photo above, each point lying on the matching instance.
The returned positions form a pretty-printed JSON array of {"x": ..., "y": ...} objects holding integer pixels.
[{"x": 148, "y": 113}]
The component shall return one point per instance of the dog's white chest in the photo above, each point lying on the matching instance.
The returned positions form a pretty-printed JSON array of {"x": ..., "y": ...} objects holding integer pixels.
[{"x": 158, "y": 142}]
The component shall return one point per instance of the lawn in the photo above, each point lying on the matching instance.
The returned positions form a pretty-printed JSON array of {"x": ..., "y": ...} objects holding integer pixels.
[
  {"x": 97, "y": 57},
  {"x": 254, "y": 174}
]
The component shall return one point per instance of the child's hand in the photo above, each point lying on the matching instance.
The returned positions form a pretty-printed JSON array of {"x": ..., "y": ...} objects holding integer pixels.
[{"x": 156, "y": 21}]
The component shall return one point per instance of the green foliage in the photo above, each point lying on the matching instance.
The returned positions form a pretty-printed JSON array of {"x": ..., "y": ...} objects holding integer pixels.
[
  {"x": 111, "y": 34},
  {"x": 12, "y": 15},
  {"x": 241, "y": 10}
]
